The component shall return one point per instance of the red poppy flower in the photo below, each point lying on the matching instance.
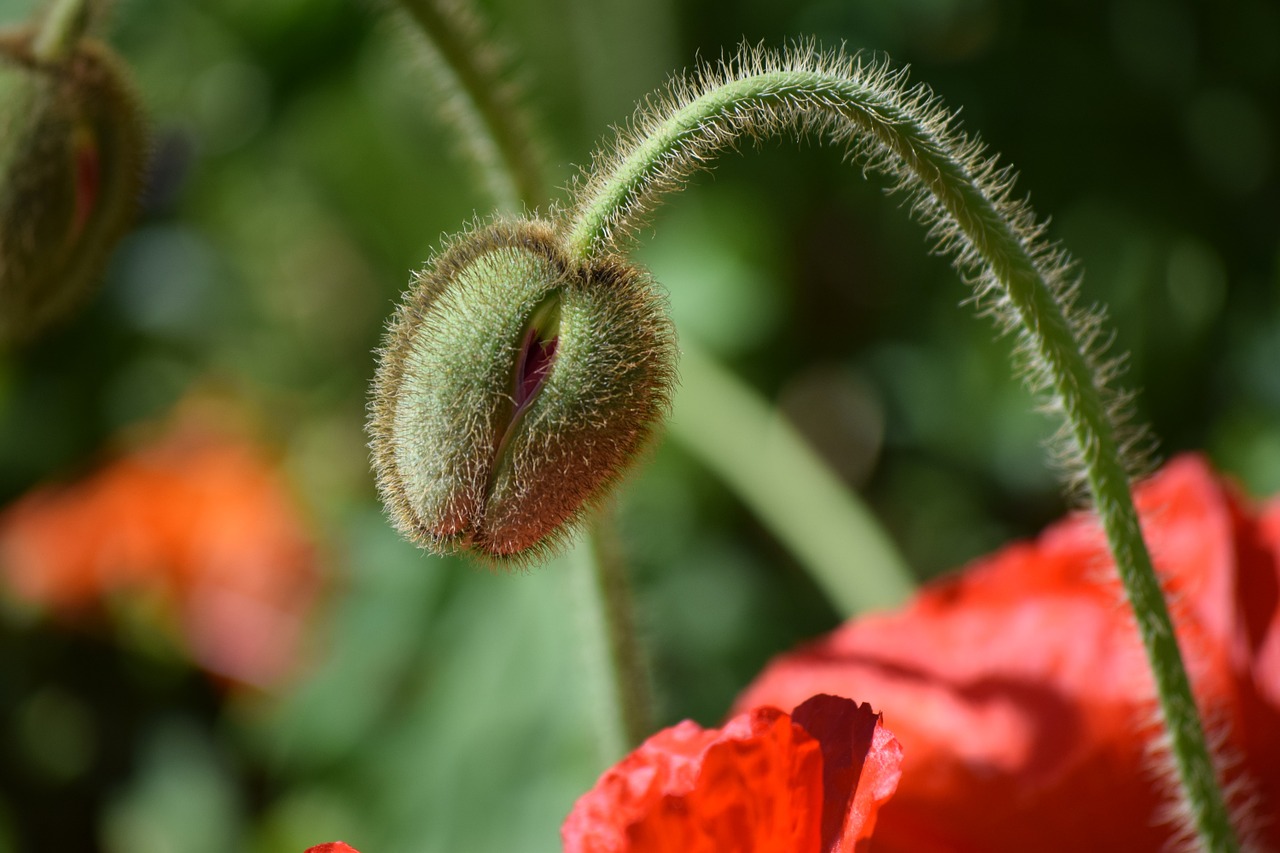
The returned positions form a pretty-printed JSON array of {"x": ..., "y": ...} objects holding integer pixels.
[
  {"x": 332, "y": 847},
  {"x": 766, "y": 782},
  {"x": 195, "y": 527},
  {"x": 1022, "y": 699}
]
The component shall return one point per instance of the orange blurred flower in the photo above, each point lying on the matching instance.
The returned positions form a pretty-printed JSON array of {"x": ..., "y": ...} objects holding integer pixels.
[
  {"x": 1021, "y": 696},
  {"x": 198, "y": 524},
  {"x": 766, "y": 782}
]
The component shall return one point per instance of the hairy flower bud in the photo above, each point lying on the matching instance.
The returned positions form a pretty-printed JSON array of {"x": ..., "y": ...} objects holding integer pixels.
[
  {"x": 71, "y": 151},
  {"x": 514, "y": 388}
]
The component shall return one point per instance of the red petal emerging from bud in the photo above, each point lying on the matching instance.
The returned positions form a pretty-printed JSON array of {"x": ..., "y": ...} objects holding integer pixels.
[
  {"x": 535, "y": 363},
  {"x": 88, "y": 170}
]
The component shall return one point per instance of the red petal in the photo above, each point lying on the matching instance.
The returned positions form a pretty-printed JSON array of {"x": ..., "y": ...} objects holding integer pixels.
[
  {"x": 332, "y": 847},
  {"x": 754, "y": 785},
  {"x": 1259, "y": 591},
  {"x": 765, "y": 783},
  {"x": 861, "y": 764},
  {"x": 1020, "y": 693}
]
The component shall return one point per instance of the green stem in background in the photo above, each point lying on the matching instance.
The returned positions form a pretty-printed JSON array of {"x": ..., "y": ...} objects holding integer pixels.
[
  {"x": 482, "y": 106},
  {"x": 965, "y": 199},
  {"x": 63, "y": 25},
  {"x": 735, "y": 433}
]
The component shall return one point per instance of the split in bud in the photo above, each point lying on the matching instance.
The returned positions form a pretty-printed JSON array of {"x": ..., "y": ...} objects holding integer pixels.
[
  {"x": 515, "y": 387},
  {"x": 71, "y": 156}
]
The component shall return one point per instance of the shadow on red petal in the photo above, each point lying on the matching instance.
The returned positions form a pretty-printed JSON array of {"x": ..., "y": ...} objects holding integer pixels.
[{"x": 861, "y": 765}]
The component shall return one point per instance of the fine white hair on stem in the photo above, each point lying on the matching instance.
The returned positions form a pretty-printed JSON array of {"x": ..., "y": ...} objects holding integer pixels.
[{"x": 891, "y": 128}]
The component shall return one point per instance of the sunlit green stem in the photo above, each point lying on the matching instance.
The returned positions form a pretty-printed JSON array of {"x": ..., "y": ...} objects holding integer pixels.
[
  {"x": 871, "y": 108},
  {"x": 62, "y": 26},
  {"x": 729, "y": 428}
]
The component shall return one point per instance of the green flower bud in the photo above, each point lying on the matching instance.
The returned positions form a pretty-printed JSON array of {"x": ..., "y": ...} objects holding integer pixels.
[
  {"x": 514, "y": 388},
  {"x": 71, "y": 155}
]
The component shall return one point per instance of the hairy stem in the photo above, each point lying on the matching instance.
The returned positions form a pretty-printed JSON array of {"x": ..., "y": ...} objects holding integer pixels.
[
  {"x": 62, "y": 26},
  {"x": 492, "y": 125},
  {"x": 727, "y": 427},
  {"x": 965, "y": 199}
]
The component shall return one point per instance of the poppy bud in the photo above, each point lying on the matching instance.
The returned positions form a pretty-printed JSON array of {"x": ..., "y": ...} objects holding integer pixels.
[
  {"x": 71, "y": 151},
  {"x": 515, "y": 386}
]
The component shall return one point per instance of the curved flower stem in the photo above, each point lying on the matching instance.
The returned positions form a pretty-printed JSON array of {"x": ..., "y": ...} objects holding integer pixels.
[
  {"x": 62, "y": 26},
  {"x": 728, "y": 428},
  {"x": 965, "y": 199}
]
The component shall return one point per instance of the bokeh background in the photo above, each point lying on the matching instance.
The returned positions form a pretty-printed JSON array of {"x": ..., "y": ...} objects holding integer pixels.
[{"x": 299, "y": 172}]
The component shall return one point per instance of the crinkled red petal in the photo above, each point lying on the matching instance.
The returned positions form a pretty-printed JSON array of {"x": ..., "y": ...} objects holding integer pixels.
[{"x": 765, "y": 783}]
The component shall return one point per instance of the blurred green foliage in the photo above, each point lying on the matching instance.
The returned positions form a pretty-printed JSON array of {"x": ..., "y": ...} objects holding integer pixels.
[{"x": 299, "y": 173}]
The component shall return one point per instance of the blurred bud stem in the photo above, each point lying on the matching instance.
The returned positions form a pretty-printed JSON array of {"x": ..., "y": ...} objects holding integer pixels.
[
  {"x": 63, "y": 25},
  {"x": 484, "y": 108},
  {"x": 630, "y": 674},
  {"x": 605, "y": 676}
]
